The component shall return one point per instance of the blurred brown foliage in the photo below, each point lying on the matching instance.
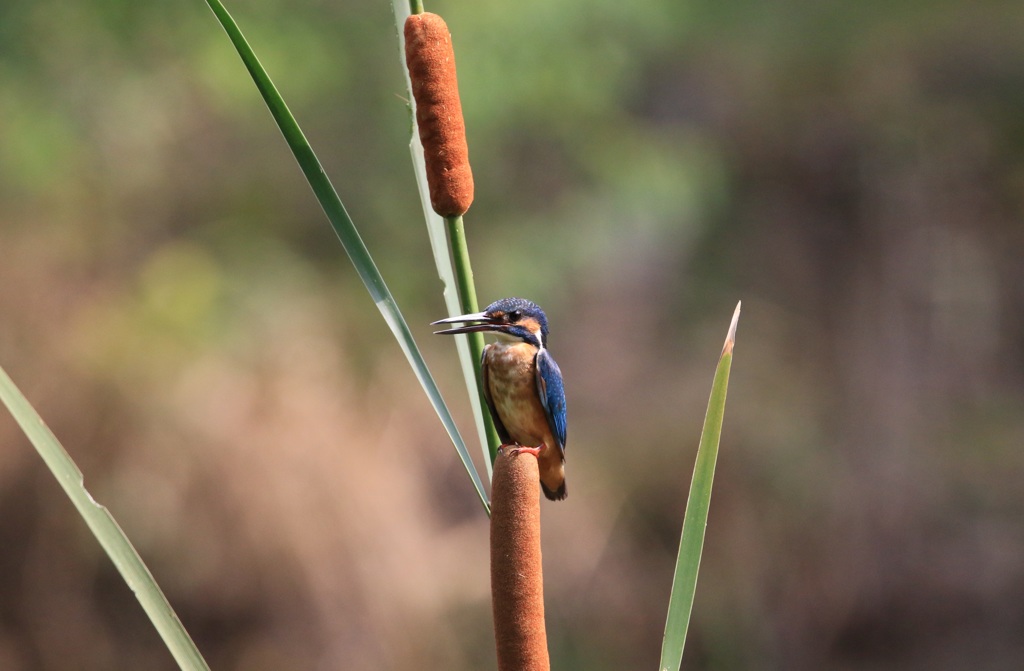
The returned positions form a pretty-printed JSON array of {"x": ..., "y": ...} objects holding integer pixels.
[{"x": 174, "y": 304}]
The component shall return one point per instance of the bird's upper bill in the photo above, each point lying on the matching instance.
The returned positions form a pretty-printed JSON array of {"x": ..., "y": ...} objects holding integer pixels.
[
  {"x": 478, "y": 321},
  {"x": 510, "y": 318}
]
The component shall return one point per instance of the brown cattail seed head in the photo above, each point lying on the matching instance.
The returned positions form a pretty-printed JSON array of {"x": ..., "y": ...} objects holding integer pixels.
[
  {"x": 517, "y": 580},
  {"x": 431, "y": 61}
]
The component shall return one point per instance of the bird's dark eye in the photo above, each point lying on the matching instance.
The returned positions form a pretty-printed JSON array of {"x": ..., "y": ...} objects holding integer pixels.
[{"x": 514, "y": 316}]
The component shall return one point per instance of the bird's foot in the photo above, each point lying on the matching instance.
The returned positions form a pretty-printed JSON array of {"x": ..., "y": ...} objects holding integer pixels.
[{"x": 517, "y": 449}]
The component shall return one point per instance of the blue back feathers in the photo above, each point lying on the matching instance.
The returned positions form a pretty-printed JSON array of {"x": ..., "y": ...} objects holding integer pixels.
[{"x": 552, "y": 395}]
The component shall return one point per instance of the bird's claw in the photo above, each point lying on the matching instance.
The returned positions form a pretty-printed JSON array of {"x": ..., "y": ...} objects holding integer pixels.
[{"x": 517, "y": 449}]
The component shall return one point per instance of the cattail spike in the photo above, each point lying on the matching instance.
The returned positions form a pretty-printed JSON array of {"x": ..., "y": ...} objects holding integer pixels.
[
  {"x": 517, "y": 580},
  {"x": 431, "y": 62}
]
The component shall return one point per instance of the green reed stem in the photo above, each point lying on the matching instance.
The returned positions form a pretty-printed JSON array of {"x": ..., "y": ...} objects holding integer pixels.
[{"x": 468, "y": 303}]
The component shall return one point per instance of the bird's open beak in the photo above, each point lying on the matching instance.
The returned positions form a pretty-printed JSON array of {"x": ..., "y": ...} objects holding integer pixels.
[{"x": 482, "y": 323}]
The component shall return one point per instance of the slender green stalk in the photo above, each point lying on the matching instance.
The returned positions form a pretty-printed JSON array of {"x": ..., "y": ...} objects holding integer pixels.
[
  {"x": 415, "y": 6},
  {"x": 347, "y": 233},
  {"x": 105, "y": 528},
  {"x": 468, "y": 304},
  {"x": 438, "y": 233},
  {"x": 691, "y": 544}
]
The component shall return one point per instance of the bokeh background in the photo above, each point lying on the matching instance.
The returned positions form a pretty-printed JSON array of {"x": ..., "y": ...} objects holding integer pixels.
[{"x": 176, "y": 306}]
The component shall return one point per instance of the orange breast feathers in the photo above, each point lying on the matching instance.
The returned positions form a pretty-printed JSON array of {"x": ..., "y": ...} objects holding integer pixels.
[{"x": 512, "y": 387}]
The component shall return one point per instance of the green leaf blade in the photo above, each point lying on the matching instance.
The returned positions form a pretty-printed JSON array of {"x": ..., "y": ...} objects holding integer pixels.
[
  {"x": 691, "y": 542},
  {"x": 349, "y": 236},
  {"x": 105, "y": 528}
]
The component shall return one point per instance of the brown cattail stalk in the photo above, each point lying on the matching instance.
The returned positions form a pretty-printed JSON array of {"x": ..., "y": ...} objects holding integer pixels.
[
  {"x": 517, "y": 582},
  {"x": 431, "y": 61}
]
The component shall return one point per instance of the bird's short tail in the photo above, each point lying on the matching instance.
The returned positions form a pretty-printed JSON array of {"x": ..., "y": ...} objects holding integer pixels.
[
  {"x": 557, "y": 494},
  {"x": 552, "y": 473}
]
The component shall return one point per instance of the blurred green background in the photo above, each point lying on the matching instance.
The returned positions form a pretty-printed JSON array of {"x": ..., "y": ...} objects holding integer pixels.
[{"x": 175, "y": 304}]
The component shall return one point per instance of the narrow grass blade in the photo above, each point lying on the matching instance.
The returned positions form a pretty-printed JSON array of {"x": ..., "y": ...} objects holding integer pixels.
[
  {"x": 347, "y": 233},
  {"x": 104, "y": 527},
  {"x": 459, "y": 293},
  {"x": 691, "y": 544}
]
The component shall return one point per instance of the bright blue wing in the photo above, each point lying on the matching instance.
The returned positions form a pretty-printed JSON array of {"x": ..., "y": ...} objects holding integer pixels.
[{"x": 552, "y": 395}]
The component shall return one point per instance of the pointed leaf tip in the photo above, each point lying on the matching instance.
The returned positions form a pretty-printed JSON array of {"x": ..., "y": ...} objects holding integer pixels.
[{"x": 730, "y": 338}]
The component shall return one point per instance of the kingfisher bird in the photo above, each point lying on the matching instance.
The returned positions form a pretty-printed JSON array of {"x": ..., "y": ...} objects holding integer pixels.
[{"x": 522, "y": 385}]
